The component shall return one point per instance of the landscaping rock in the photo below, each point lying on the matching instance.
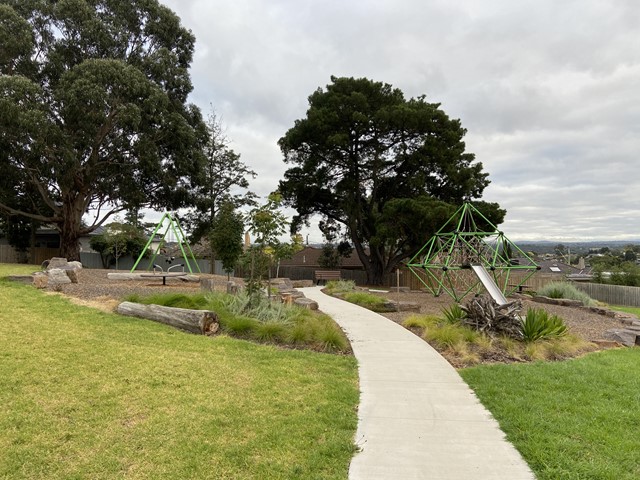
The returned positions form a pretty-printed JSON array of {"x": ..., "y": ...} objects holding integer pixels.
[
  {"x": 306, "y": 303},
  {"x": 392, "y": 305},
  {"x": 57, "y": 276},
  {"x": 72, "y": 274},
  {"x": 282, "y": 283},
  {"x": 57, "y": 262},
  {"x": 232, "y": 288},
  {"x": 40, "y": 280},
  {"x": 565, "y": 302},
  {"x": 75, "y": 265},
  {"x": 625, "y": 336},
  {"x": 21, "y": 278},
  {"x": 123, "y": 276},
  {"x": 301, "y": 283},
  {"x": 207, "y": 284}
]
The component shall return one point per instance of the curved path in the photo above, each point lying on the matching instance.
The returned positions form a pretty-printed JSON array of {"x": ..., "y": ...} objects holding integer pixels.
[{"x": 417, "y": 419}]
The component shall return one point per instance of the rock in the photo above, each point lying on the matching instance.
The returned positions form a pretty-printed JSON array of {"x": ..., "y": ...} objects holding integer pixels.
[
  {"x": 57, "y": 262},
  {"x": 75, "y": 265},
  {"x": 189, "y": 278},
  {"x": 281, "y": 283},
  {"x": 40, "y": 280},
  {"x": 57, "y": 276},
  {"x": 232, "y": 288},
  {"x": 306, "y": 303},
  {"x": 392, "y": 305},
  {"x": 21, "y": 278},
  {"x": 301, "y": 283},
  {"x": 606, "y": 343},
  {"x": 73, "y": 275},
  {"x": 123, "y": 276},
  {"x": 557, "y": 301},
  {"x": 207, "y": 285},
  {"x": 624, "y": 336}
]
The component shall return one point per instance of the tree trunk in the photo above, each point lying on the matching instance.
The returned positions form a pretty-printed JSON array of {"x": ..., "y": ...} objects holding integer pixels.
[
  {"x": 375, "y": 272},
  {"x": 195, "y": 321},
  {"x": 69, "y": 228}
]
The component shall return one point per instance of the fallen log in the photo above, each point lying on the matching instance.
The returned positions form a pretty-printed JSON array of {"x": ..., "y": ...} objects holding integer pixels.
[{"x": 203, "y": 322}]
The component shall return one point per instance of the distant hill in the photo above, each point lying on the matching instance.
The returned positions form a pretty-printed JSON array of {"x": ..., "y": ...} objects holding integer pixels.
[{"x": 548, "y": 246}]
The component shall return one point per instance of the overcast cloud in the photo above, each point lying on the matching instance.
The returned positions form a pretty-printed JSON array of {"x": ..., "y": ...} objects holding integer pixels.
[{"x": 548, "y": 91}]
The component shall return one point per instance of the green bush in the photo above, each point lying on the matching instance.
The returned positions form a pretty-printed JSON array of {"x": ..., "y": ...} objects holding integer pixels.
[
  {"x": 565, "y": 290},
  {"x": 539, "y": 325}
]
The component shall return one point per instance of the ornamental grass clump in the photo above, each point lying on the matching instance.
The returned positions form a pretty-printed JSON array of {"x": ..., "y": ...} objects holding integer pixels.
[
  {"x": 340, "y": 286},
  {"x": 366, "y": 300},
  {"x": 565, "y": 290}
]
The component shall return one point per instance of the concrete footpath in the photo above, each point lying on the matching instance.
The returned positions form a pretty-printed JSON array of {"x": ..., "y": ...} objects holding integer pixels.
[{"x": 417, "y": 419}]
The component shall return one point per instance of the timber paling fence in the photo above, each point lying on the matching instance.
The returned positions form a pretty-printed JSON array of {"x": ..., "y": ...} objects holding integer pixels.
[
  {"x": 407, "y": 278},
  {"x": 611, "y": 294}
]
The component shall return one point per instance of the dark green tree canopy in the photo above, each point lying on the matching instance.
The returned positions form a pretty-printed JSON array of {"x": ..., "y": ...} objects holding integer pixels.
[
  {"x": 226, "y": 235},
  {"x": 93, "y": 111},
  {"x": 388, "y": 169}
]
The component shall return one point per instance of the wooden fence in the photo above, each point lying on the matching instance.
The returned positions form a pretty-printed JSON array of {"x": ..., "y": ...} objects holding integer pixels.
[
  {"x": 407, "y": 278},
  {"x": 612, "y": 294},
  {"x": 35, "y": 256}
]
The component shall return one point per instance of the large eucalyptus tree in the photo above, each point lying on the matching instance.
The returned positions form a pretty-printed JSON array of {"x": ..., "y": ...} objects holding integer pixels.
[{"x": 94, "y": 112}]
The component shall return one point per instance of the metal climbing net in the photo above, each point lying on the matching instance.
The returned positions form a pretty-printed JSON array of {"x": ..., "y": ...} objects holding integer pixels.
[{"x": 467, "y": 239}]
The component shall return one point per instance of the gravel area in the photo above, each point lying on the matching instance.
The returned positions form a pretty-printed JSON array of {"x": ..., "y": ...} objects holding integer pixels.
[
  {"x": 95, "y": 289},
  {"x": 583, "y": 323}
]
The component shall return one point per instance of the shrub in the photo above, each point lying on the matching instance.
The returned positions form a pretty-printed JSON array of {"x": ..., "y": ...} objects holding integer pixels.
[
  {"x": 420, "y": 321},
  {"x": 268, "y": 331},
  {"x": 366, "y": 300},
  {"x": 332, "y": 339},
  {"x": 340, "y": 286},
  {"x": 446, "y": 336},
  {"x": 539, "y": 325},
  {"x": 565, "y": 290},
  {"x": 453, "y": 314},
  {"x": 239, "y": 325}
]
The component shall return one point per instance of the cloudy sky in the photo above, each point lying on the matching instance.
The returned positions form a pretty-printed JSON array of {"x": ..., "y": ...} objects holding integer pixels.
[{"x": 549, "y": 91}]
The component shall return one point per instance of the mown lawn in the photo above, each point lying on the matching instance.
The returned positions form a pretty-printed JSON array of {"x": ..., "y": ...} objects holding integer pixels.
[
  {"x": 577, "y": 419},
  {"x": 85, "y": 394}
]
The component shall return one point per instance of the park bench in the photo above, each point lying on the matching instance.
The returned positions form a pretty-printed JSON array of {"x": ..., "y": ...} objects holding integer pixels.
[{"x": 326, "y": 275}]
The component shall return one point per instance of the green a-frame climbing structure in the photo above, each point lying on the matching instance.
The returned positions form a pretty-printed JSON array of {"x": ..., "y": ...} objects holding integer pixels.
[
  {"x": 466, "y": 249},
  {"x": 174, "y": 226}
]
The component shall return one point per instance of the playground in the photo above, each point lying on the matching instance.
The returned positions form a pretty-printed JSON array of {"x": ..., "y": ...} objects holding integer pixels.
[{"x": 95, "y": 289}]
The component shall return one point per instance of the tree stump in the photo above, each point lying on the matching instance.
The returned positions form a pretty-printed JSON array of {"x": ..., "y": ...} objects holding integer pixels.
[{"x": 485, "y": 315}]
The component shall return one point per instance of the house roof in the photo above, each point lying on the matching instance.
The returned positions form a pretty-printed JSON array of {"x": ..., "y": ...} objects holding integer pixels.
[{"x": 559, "y": 268}]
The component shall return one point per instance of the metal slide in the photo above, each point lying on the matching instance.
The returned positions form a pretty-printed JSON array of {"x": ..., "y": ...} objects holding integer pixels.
[{"x": 489, "y": 284}]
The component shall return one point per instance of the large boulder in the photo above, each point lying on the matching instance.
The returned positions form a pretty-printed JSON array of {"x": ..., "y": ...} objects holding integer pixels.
[
  {"x": 57, "y": 262},
  {"x": 306, "y": 303},
  {"x": 57, "y": 276},
  {"x": 40, "y": 280}
]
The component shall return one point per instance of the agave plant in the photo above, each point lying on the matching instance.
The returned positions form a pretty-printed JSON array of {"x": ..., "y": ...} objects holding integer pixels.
[{"x": 538, "y": 325}]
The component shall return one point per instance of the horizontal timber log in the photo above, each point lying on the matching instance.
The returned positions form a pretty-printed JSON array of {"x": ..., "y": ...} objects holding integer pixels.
[{"x": 204, "y": 322}]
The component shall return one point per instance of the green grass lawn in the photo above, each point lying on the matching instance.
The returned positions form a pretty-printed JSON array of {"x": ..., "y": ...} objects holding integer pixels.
[
  {"x": 86, "y": 394},
  {"x": 577, "y": 419},
  {"x": 632, "y": 310}
]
